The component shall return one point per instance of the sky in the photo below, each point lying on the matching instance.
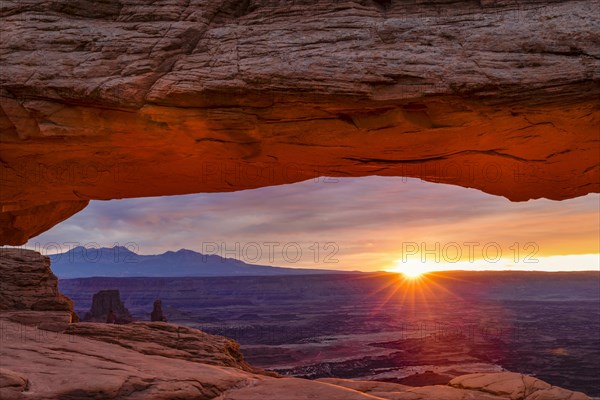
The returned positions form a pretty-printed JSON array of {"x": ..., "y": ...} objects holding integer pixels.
[{"x": 367, "y": 224}]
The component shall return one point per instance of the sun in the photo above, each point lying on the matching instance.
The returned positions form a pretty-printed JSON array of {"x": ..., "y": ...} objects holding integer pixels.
[
  {"x": 413, "y": 274},
  {"x": 412, "y": 270}
]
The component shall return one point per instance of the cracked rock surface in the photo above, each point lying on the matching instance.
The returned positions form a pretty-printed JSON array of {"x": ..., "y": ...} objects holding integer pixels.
[{"x": 122, "y": 98}]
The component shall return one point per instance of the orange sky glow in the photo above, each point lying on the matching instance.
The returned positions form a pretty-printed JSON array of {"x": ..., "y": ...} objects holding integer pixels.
[{"x": 368, "y": 224}]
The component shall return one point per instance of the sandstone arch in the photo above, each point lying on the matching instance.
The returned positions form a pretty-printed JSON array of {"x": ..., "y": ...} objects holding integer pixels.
[{"x": 176, "y": 97}]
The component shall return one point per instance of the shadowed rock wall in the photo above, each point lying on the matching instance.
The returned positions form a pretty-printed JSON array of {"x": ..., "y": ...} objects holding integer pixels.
[{"x": 28, "y": 284}]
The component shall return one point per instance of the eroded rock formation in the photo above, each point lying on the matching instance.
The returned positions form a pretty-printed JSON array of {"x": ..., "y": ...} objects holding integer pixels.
[
  {"x": 157, "y": 312},
  {"x": 27, "y": 283},
  {"x": 108, "y": 307},
  {"x": 133, "y": 99}
]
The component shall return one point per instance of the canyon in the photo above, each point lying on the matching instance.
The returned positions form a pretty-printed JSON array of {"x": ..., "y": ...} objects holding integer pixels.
[
  {"x": 47, "y": 356},
  {"x": 116, "y": 99},
  {"x": 375, "y": 326}
]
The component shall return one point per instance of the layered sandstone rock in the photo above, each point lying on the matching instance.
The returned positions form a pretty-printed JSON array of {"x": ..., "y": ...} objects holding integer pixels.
[
  {"x": 11, "y": 384},
  {"x": 132, "y": 98},
  {"x": 27, "y": 283},
  {"x": 42, "y": 365},
  {"x": 514, "y": 386},
  {"x": 167, "y": 340}
]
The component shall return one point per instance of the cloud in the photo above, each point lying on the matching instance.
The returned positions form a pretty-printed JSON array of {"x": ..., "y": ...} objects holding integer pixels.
[{"x": 368, "y": 219}]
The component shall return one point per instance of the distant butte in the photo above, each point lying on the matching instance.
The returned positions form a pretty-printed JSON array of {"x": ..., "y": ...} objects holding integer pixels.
[{"x": 123, "y": 100}]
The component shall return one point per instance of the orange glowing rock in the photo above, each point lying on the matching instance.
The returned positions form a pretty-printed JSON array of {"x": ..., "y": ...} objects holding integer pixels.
[{"x": 206, "y": 98}]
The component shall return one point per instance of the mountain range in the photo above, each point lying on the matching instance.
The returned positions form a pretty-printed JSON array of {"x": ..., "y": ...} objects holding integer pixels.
[{"x": 118, "y": 261}]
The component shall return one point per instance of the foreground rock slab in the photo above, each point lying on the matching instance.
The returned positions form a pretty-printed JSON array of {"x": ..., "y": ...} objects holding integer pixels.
[
  {"x": 136, "y": 362},
  {"x": 167, "y": 340}
]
